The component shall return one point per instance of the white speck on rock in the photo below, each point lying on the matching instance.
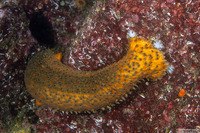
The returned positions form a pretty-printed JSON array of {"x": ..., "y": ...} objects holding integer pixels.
[
  {"x": 132, "y": 33},
  {"x": 170, "y": 69},
  {"x": 158, "y": 44}
]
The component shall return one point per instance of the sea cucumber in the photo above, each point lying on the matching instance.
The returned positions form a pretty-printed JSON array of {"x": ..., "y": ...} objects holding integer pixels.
[{"x": 59, "y": 86}]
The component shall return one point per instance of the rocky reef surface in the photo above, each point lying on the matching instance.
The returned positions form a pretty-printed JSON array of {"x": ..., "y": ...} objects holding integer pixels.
[{"x": 93, "y": 34}]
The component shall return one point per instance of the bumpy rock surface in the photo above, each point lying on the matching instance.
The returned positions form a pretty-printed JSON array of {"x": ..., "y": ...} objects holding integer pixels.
[{"x": 172, "y": 26}]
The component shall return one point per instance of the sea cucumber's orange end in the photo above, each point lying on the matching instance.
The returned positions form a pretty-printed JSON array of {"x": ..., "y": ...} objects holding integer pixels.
[
  {"x": 152, "y": 60},
  {"x": 58, "y": 56},
  {"x": 181, "y": 93}
]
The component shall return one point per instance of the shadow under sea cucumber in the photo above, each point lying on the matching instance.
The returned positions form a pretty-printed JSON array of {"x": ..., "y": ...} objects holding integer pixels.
[{"x": 59, "y": 86}]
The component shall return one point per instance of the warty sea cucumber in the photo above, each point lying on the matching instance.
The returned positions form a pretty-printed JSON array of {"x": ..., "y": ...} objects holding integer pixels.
[{"x": 59, "y": 86}]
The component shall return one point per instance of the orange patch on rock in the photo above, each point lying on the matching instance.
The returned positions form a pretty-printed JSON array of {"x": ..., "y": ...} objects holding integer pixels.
[{"x": 181, "y": 93}]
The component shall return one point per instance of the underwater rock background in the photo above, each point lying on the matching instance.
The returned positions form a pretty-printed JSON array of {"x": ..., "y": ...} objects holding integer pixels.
[{"x": 173, "y": 26}]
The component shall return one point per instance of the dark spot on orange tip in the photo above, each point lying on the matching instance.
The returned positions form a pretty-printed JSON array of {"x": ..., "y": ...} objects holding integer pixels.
[{"x": 181, "y": 93}]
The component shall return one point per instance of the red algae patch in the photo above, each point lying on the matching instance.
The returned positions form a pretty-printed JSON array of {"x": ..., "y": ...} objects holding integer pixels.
[{"x": 59, "y": 86}]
